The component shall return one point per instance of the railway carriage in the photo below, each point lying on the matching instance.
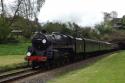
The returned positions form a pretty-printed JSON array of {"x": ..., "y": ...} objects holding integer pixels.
[{"x": 91, "y": 46}]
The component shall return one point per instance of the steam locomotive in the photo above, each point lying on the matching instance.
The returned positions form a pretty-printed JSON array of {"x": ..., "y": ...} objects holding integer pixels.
[{"x": 56, "y": 47}]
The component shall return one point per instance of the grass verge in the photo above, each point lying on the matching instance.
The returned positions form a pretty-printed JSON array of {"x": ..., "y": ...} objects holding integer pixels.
[
  {"x": 110, "y": 69},
  {"x": 12, "y": 67},
  {"x": 10, "y": 62},
  {"x": 12, "y": 56},
  {"x": 13, "y": 49}
]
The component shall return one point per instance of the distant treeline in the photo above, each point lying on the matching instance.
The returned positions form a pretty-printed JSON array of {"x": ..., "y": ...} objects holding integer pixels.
[
  {"x": 22, "y": 29},
  {"x": 102, "y": 31},
  {"x": 20, "y": 22}
]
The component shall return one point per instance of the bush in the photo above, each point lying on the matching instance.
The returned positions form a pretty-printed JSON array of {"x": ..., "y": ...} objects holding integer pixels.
[{"x": 4, "y": 30}]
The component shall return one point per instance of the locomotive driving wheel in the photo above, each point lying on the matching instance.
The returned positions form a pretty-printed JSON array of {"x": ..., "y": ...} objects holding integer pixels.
[{"x": 34, "y": 65}]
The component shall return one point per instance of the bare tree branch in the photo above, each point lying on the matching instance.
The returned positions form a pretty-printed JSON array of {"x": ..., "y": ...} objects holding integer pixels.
[
  {"x": 28, "y": 9},
  {"x": 16, "y": 11},
  {"x": 3, "y": 11}
]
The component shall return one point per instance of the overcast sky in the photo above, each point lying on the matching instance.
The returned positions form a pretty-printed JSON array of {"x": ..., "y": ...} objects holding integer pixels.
[{"x": 83, "y": 12}]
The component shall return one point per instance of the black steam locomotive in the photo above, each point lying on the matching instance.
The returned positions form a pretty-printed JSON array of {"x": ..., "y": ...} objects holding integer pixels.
[{"x": 56, "y": 48}]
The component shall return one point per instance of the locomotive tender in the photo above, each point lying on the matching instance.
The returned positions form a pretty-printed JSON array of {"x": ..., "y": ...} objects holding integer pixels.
[{"x": 56, "y": 47}]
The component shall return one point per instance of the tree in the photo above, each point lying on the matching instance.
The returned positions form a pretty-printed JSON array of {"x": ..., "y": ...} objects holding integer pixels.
[
  {"x": 4, "y": 30},
  {"x": 114, "y": 14},
  {"x": 28, "y": 9},
  {"x": 2, "y": 11},
  {"x": 2, "y": 5},
  {"x": 57, "y": 27}
]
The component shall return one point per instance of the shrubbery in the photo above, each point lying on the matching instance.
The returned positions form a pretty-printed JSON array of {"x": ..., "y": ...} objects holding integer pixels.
[{"x": 4, "y": 30}]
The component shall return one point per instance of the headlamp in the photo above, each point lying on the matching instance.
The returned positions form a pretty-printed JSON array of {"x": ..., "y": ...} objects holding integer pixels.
[
  {"x": 28, "y": 54},
  {"x": 44, "y": 41}
]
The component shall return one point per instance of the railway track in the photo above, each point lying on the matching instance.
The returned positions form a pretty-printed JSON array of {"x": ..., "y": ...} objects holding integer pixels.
[
  {"x": 12, "y": 76},
  {"x": 22, "y": 73},
  {"x": 43, "y": 77},
  {"x": 17, "y": 74}
]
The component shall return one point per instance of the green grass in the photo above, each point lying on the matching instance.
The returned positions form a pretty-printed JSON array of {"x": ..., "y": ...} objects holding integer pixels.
[
  {"x": 12, "y": 55},
  {"x": 13, "y": 49},
  {"x": 10, "y": 62},
  {"x": 11, "y": 59},
  {"x": 110, "y": 69}
]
